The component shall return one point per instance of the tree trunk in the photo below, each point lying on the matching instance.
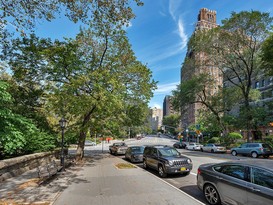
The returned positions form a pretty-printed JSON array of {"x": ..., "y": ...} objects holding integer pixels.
[{"x": 80, "y": 148}]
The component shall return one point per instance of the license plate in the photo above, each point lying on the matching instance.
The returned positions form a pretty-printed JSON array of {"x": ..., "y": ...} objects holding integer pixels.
[{"x": 183, "y": 169}]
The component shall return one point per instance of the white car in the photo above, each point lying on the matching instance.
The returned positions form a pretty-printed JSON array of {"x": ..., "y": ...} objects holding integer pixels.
[
  {"x": 194, "y": 146},
  {"x": 213, "y": 148}
]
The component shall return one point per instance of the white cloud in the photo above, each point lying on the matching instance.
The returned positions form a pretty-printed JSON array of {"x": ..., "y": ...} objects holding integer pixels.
[
  {"x": 182, "y": 34},
  {"x": 173, "y": 6},
  {"x": 166, "y": 88}
]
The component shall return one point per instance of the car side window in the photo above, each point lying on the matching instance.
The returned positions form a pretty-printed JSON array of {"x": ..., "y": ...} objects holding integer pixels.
[
  {"x": 262, "y": 177},
  {"x": 243, "y": 145},
  {"x": 236, "y": 171},
  {"x": 154, "y": 152}
]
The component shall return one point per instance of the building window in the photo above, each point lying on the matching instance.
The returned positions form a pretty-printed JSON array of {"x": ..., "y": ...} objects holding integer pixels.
[
  {"x": 263, "y": 83},
  {"x": 257, "y": 84}
]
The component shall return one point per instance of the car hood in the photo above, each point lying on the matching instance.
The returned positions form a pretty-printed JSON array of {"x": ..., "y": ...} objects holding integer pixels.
[{"x": 176, "y": 158}]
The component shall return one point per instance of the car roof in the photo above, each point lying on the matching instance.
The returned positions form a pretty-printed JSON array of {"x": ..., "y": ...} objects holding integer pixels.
[
  {"x": 264, "y": 163},
  {"x": 159, "y": 146}
]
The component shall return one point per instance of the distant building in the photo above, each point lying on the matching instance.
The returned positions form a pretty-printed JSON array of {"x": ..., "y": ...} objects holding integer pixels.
[
  {"x": 156, "y": 116},
  {"x": 206, "y": 20},
  {"x": 167, "y": 106}
]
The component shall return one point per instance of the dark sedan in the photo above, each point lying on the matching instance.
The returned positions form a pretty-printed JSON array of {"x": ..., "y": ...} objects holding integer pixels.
[
  {"x": 237, "y": 182},
  {"x": 180, "y": 145},
  {"x": 135, "y": 153}
]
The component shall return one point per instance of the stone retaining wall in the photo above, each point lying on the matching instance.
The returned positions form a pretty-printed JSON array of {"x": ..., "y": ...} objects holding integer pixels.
[{"x": 18, "y": 165}]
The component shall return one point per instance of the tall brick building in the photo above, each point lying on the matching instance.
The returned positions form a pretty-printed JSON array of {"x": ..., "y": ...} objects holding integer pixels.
[{"x": 206, "y": 20}]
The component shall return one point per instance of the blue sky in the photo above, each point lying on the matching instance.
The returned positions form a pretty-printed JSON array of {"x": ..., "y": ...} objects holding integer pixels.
[{"x": 160, "y": 32}]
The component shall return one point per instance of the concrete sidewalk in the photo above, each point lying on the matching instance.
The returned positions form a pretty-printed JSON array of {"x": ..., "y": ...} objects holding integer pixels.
[{"x": 101, "y": 180}]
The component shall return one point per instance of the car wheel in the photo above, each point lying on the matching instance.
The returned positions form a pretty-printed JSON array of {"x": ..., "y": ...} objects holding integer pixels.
[
  {"x": 211, "y": 195},
  {"x": 202, "y": 150},
  {"x": 254, "y": 154},
  {"x": 212, "y": 150},
  {"x": 234, "y": 153},
  {"x": 161, "y": 171},
  {"x": 144, "y": 164},
  {"x": 111, "y": 152}
]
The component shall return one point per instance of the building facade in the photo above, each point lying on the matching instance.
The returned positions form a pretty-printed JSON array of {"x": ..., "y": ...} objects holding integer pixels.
[
  {"x": 167, "y": 106},
  {"x": 206, "y": 20},
  {"x": 156, "y": 116}
]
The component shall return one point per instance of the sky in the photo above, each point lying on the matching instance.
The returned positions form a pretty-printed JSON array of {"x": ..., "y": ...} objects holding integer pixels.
[{"x": 160, "y": 32}]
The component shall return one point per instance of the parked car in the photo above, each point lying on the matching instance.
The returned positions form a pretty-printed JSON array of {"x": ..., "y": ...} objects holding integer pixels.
[
  {"x": 118, "y": 148},
  {"x": 166, "y": 160},
  {"x": 89, "y": 143},
  {"x": 237, "y": 182},
  {"x": 194, "y": 146},
  {"x": 135, "y": 153},
  {"x": 180, "y": 145},
  {"x": 213, "y": 148},
  {"x": 253, "y": 149}
]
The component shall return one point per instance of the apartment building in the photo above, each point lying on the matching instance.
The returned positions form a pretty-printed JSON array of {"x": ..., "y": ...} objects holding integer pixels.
[
  {"x": 206, "y": 20},
  {"x": 167, "y": 106},
  {"x": 156, "y": 116}
]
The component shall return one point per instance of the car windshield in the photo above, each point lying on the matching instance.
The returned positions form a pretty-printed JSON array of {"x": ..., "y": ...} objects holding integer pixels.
[
  {"x": 168, "y": 152},
  {"x": 138, "y": 149}
]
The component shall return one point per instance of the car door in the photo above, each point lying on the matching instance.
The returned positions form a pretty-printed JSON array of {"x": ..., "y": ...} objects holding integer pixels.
[
  {"x": 154, "y": 158},
  {"x": 232, "y": 184},
  {"x": 260, "y": 187},
  {"x": 243, "y": 149}
]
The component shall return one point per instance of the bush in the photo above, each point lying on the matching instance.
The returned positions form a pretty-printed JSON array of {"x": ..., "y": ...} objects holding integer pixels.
[
  {"x": 231, "y": 138},
  {"x": 214, "y": 140},
  {"x": 268, "y": 140}
]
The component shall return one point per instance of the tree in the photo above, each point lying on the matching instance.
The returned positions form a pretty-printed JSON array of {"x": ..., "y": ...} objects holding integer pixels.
[
  {"x": 171, "y": 122},
  {"x": 23, "y": 15},
  {"x": 234, "y": 48},
  {"x": 267, "y": 55},
  {"x": 97, "y": 82},
  {"x": 27, "y": 65},
  {"x": 214, "y": 105},
  {"x": 18, "y": 134}
]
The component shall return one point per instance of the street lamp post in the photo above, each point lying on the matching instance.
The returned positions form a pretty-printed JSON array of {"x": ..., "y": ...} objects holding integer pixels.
[
  {"x": 187, "y": 131},
  {"x": 62, "y": 123}
]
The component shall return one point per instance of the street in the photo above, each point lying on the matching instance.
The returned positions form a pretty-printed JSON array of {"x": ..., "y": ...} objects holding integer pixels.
[{"x": 185, "y": 183}]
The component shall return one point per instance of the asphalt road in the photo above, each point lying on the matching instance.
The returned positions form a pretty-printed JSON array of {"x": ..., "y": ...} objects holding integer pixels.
[{"x": 184, "y": 183}]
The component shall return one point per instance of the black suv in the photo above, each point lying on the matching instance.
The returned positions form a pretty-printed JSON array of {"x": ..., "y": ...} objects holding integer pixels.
[{"x": 166, "y": 160}]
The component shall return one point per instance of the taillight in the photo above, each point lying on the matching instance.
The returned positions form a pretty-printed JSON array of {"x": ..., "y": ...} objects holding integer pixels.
[{"x": 198, "y": 171}]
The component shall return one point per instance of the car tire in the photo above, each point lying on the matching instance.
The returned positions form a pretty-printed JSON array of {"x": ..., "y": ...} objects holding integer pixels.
[
  {"x": 161, "y": 171},
  {"x": 202, "y": 150},
  {"x": 111, "y": 152},
  {"x": 234, "y": 153},
  {"x": 144, "y": 164},
  {"x": 212, "y": 150},
  {"x": 254, "y": 154},
  {"x": 211, "y": 195}
]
